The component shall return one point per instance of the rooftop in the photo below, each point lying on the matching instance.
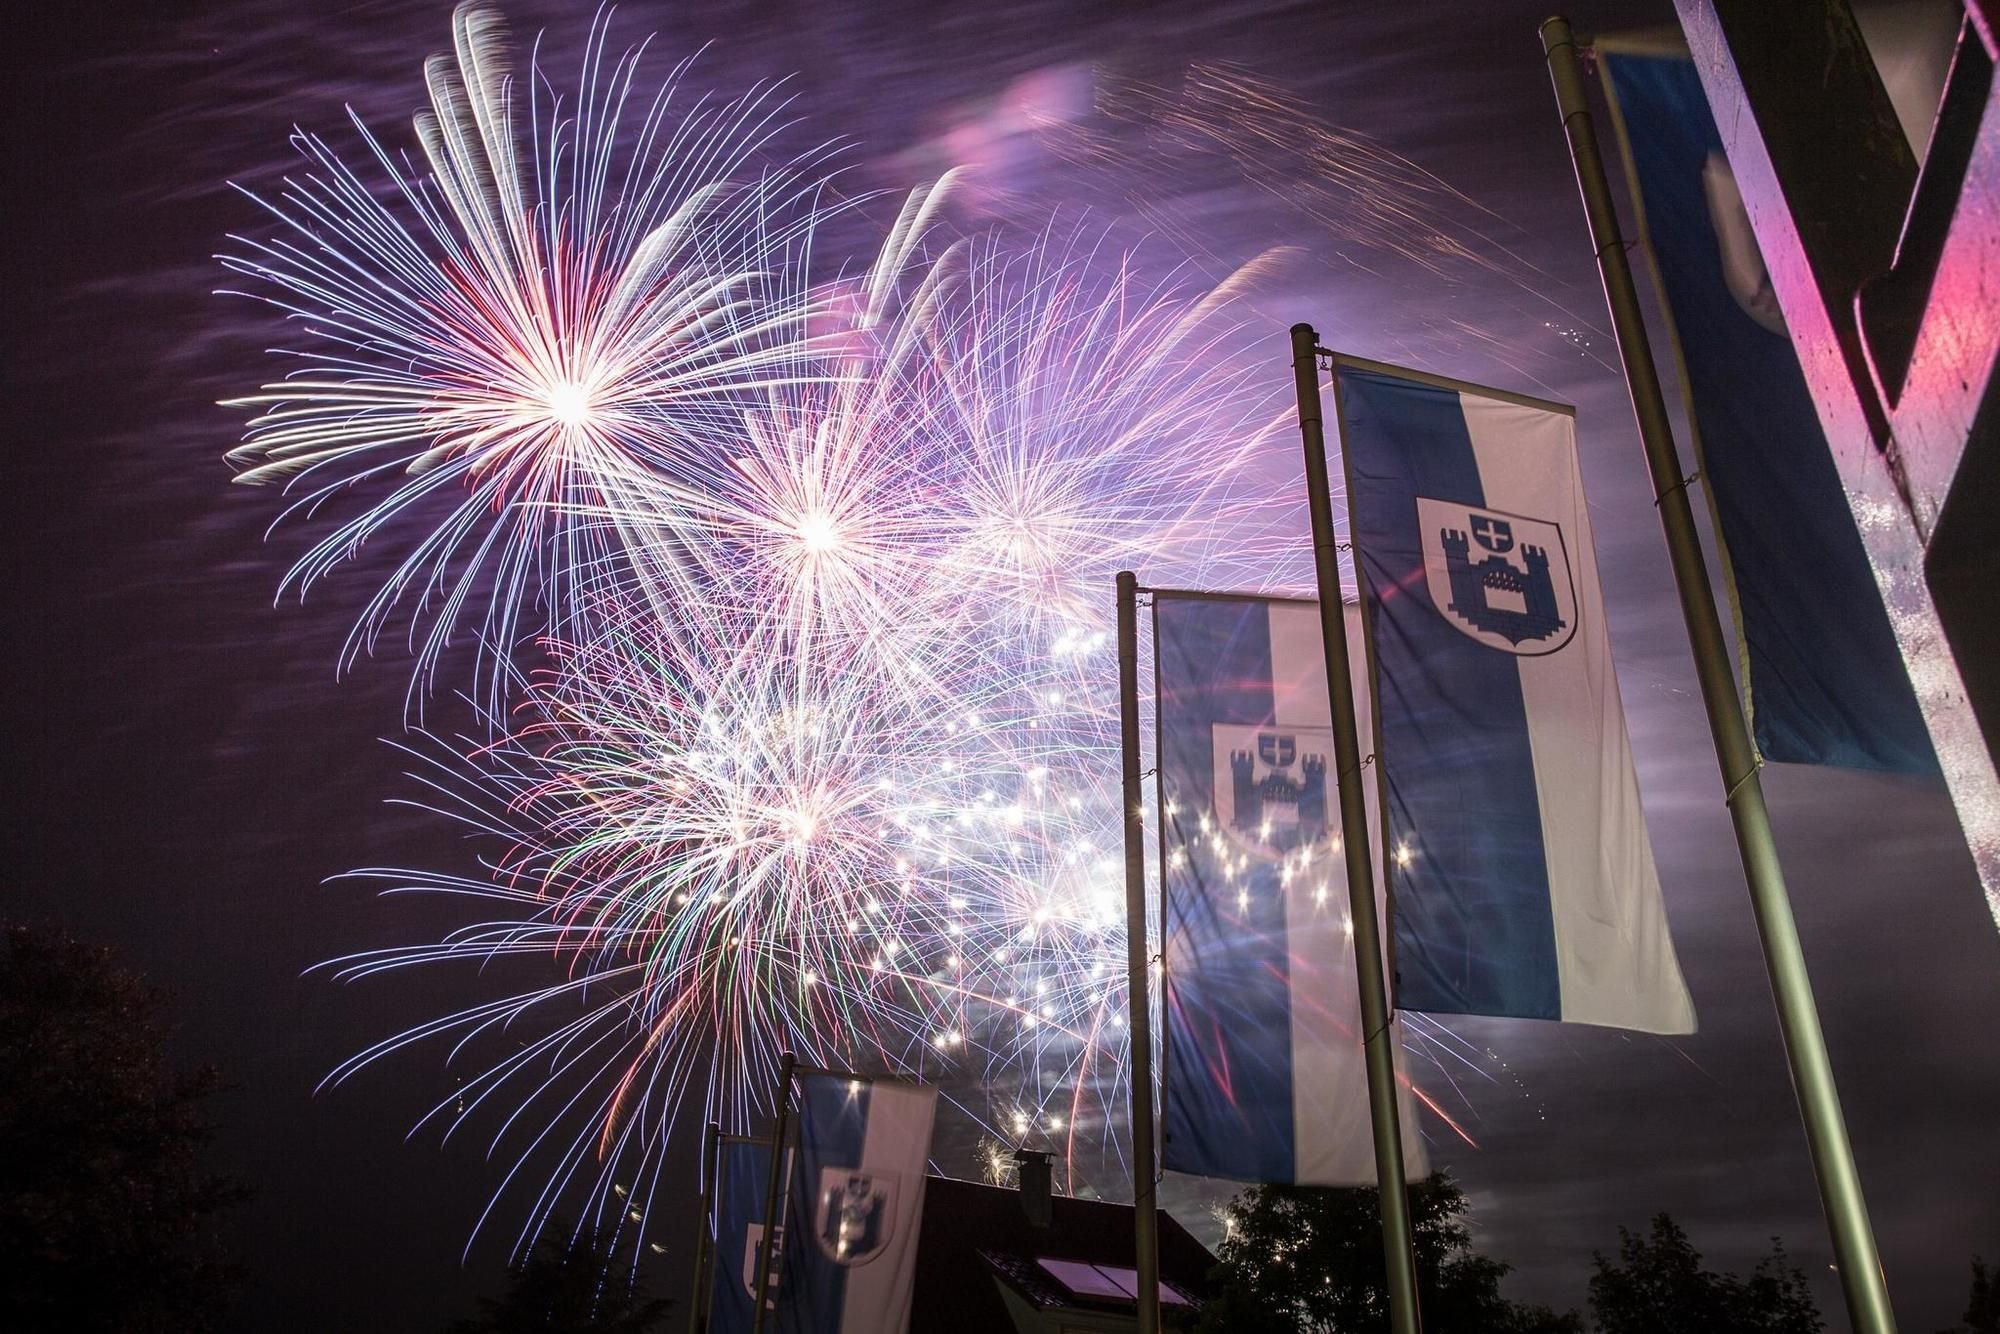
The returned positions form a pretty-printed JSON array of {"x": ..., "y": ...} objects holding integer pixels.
[{"x": 984, "y": 1268}]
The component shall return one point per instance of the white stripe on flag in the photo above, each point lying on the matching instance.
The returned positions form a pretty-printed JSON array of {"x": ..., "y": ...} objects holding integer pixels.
[
  {"x": 898, "y": 1140},
  {"x": 1614, "y": 956},
  {"x": 1298, "y": 668},
  {"x": 1334, "y": 1136}
]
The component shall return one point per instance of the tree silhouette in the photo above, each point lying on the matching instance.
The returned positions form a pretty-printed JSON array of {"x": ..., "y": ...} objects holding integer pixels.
[
  {"x": 1982, "y": 1304},
  {"x": 1658, "y": 1286},
  {"x": 573, "y": 1283},
  {"x": 1310, "y": 1258},
  {"x": 106, "y": 1214}
]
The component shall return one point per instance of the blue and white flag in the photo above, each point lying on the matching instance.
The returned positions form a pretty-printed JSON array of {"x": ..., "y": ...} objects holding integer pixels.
[
  {"x": 1521, "y": 880},
  {"x": 742, "y": 1182},
  {"x": 855, "y": 1206},
  {"x": 1263, "y": 1076},
  {"x": 1822, "y": 676}
]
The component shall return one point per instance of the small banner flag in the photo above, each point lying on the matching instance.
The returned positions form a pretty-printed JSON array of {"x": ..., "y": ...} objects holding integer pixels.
[
  {"x": 855, "y": 1206},
  {"x": 742, "y": 1180},
  {"x": 1521, "y": 879},
  {"x": 1263, "y": 1077},
  {"x": 1821, "y": 674}
]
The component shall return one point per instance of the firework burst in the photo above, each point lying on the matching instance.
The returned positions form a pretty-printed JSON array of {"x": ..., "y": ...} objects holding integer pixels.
[
  {"x": 819, "y": 749},
  {"x": 508, "y": 349},
  {"x": 841, "y": 789}
]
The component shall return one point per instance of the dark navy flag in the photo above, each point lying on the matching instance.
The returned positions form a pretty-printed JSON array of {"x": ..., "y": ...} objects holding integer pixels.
[
  {"x": 854, "y": 1207},
  {"x": 1822, "y": 676},
  {"x": 742, "y": 1181},
  {"x": 1263, "y": 1076},
  {"x": 1521, "y": 878}
]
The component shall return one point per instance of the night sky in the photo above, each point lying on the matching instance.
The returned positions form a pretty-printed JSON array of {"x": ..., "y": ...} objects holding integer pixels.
[{"x": 188, "y": 772}]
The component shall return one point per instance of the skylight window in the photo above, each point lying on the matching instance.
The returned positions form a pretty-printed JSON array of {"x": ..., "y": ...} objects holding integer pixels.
[{"x": 1106, "y": 1282}]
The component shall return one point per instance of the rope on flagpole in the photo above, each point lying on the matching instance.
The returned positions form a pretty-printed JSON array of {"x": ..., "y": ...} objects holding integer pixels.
[
  {"x": 1729, "y": 797},
  {"x": 1355, "y": 772},
  {"x": 1682, "y": 485}
]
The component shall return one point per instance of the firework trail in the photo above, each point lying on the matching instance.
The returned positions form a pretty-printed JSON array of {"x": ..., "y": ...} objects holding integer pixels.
[
  {"x": 571, "y": 301},
  {"x": 1369, "y": 208}
]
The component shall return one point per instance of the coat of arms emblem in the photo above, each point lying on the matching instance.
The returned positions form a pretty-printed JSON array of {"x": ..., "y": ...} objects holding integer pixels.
[
  {"x": 1271, "y": 785},
  {"x": 857, "y": 1213},
  {"x": 1502, "y": 579}
]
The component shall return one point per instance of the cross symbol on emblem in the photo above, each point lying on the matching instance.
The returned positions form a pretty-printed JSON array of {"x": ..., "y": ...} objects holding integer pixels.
[{"x": 1495, "y": 535}]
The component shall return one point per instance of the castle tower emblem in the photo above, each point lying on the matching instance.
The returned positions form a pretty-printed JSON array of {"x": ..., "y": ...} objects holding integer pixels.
[
  {"x": 1271, "y": 785},
  {"x": 1502, "y": 579}
]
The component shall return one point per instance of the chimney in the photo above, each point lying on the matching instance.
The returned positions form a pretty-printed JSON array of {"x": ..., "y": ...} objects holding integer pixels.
[{"x": 1035, "y": 1174}]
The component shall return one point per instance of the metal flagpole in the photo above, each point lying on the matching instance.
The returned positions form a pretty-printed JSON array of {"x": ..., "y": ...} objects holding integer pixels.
[
  {"x": 1398, "y": 1255},
  {"x": 1145, "y": 1224},
  {"x": 698, "y": 1300},
  {"x": 787, "y": 1063},
  {"x": 1798, "y": 1018}
]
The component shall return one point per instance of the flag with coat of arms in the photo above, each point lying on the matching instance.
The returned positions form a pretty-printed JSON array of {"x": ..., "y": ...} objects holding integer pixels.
[
  {"x": 1263, "y": 1076},
  {"x": 854, "y": 1206},
  {"x": 742, "y": 1181},
  {"x": 1522, "y": 881},
  {"x": 1822, "y": 676}
]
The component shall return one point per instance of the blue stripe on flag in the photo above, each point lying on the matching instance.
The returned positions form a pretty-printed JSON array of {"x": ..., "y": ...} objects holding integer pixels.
[
  {"x": 833, "y": 1127},
  {"x": 1472, "y": 924},
  {"x": 1826, "y": 681},
  {"x": 1227, "y": 1106}
]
